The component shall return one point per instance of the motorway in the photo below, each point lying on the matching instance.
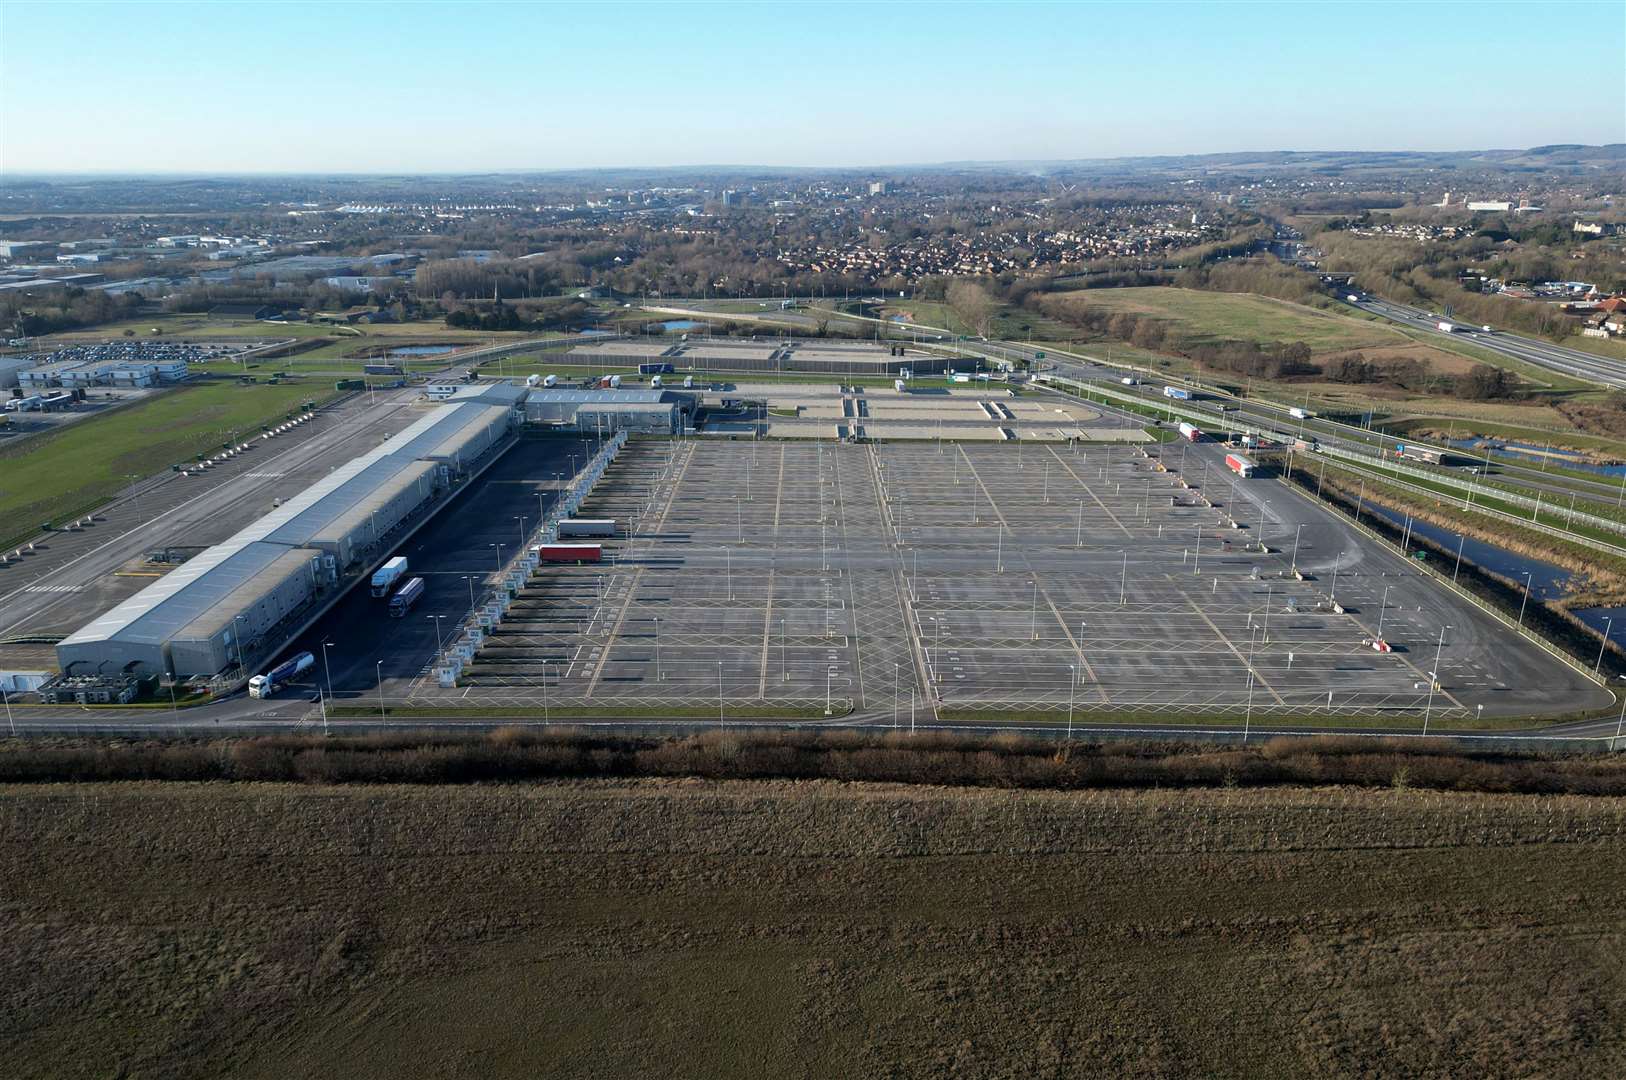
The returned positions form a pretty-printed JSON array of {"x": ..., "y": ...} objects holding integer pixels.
[
  {"x": 1251, "y": 414},
  {"x": 1572, "y": 362}
]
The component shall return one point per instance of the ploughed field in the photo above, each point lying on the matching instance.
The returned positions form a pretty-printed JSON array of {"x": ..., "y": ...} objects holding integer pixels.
[{"x": 776, "y": 928}]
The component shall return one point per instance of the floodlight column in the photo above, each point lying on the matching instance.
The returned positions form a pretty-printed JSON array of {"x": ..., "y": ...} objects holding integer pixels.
[{"x": 1434, "y": 679}]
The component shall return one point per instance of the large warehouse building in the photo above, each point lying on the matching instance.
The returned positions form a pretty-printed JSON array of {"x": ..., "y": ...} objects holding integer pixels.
[{"x": 255, "y": 589}]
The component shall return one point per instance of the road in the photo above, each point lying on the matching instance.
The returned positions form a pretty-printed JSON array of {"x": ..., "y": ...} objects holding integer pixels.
[
  {"x": 1236, "y": 413},
  {"x": 1572, "y": 362}
]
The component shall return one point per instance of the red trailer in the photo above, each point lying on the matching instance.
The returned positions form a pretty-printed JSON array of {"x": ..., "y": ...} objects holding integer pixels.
[
  {"x": 576, "y": 553},
  {"x": 1240, "y": 464}
]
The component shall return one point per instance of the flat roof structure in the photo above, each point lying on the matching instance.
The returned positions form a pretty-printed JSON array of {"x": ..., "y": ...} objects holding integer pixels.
[
  {"x": 174, "y": 625},
  {"x": 185, "y": 595},
  {"x": 500, "y": 392}
]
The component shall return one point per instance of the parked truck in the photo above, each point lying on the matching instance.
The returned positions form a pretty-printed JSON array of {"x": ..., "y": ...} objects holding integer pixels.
[
  {"x": 570, "y": 553},
  {"x": 1240, "y": 464},
  {"x": 385, "y": 577},
  {"x": 1447, "y": 327},
  {"x": 1189, "y": 431},
  {"x": 576, "y": 528},
  {"x": 263, "y": 686},
  {"x": 402, "y": 602},
  {"x": 1179, "y": 393},
  {"x": 609, "y": 382}
]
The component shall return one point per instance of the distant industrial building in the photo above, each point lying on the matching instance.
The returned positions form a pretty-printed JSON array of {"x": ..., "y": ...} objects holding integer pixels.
[
  {"x": 1490, "y": 207},
  {"x": 832, "y": 358},
  {"x": 10, "y": 367}
]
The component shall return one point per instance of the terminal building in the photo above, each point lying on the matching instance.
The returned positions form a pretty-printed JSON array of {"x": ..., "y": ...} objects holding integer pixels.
[{"x": 655, "y": 412}]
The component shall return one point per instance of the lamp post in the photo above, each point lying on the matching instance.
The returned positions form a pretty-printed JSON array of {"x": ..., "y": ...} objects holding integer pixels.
[
  {"x": 378, "y": 668},
  {"x": 1619, "y": 723},
  {"x": 12, "y": 721},
  {"x": 1072, "y": 686},
  {"x": 499, "y": 557},
  {"x": 719, "y": 694},
  {"x": 1526, "y": 599},
  {"x": 1296, "y": 533},
  {"x": 1609, "y": 625},
  {"x": 1247, "y": 721},
  {"x": 545, "y": 664},
  {"x": 658, "y": 649},
  {"x": 1434, "y": 678},
  {"x": 521, "y": 519},
  {"x": 439, "y": 641},
  {"x": 470, "y": 579},
  {"x": 1383, "y": 609},
  {"x": 1123, "y": 579},
  {"x": 326, "y": 669}
]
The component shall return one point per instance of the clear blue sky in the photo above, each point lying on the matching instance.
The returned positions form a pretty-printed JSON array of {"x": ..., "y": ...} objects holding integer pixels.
[{"x": 272, "y": 87}]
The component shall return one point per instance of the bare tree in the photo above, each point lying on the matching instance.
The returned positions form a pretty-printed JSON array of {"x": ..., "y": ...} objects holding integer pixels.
[{"x": 973, "y": 305}]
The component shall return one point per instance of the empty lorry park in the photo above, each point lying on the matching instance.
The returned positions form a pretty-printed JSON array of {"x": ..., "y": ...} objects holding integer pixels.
[
  {"x": 932, "y": 580},
  {"x": 972, "y": 582}
]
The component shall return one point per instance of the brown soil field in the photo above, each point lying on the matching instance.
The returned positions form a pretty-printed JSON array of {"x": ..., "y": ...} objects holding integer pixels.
[{"x": 807, "y": 929}]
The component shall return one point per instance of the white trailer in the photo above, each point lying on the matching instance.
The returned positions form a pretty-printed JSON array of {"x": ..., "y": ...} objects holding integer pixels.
[{"x": 386, "y": 576}]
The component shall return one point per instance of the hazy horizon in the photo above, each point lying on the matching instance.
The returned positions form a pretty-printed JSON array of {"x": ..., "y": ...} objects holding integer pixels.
[{"x": 450, "y": 89}]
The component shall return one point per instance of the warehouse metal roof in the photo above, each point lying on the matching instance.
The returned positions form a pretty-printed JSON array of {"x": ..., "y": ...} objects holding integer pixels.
[
  {"x": 490, "y": 393},
  {"x": 185, "y": 594},
  {"x": 226, "y": 605},
  {"x": 429, "y": 435},
  {"x": 299, "y": 520},
  {"x": 351, "y": 518},
  {"x": 585, "y": 397}
]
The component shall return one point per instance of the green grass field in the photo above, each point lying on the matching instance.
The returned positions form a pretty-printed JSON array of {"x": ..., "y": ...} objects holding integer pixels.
[
  {"x": 203, "y": 328},
  {"x": 65, "y": 473},
  {"x": 1201, "y": 316}
]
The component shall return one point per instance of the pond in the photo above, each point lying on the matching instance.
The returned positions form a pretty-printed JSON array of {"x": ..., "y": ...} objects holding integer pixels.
[
  {"x": 681, "y": 324},
  {"x": 1547, "y": 582},
  {"x": 1535, "y": 452},
  {"x": 421, "y": 350}
]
